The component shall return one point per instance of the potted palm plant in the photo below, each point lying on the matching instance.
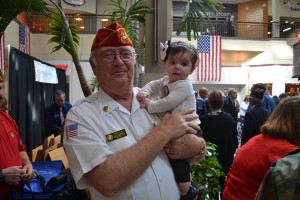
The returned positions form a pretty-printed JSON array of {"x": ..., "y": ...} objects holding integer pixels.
[{"x": 207, "y": 173}]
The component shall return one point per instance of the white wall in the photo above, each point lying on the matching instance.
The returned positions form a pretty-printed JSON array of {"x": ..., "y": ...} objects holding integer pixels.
[
  {"x": 285, "y": 9},
  {"x": 75, "y": 88}
]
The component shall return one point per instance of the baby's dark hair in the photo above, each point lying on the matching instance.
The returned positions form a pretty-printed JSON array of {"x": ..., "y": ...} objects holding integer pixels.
[{"x": 182, "y": 47}]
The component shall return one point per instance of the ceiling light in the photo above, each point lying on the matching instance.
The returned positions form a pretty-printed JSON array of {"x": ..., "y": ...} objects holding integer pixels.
[
  {"x": 75, "y": 2},
  {"x": 81, "y": 27},
  {"x": 284, "y": 30},
  {"x": 78, "y": 19},
  {"x": 104, "y": 20}
]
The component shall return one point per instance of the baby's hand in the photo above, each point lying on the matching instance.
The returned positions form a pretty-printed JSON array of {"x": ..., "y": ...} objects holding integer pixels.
[
  {"x": 142, "y": 95},
  {"x": 145, "y": 103}
]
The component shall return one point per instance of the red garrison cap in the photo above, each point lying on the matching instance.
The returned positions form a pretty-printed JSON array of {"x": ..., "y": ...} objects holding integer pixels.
[{"x": 112, "y": 35}]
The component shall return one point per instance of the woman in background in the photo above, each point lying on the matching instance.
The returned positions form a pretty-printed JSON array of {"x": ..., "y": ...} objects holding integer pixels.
[
  {"x": 219, "y": 128},
  {"x": 280, "y": 135}
]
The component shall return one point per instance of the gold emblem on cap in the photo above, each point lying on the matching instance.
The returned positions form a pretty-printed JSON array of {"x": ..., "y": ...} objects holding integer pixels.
[
  {"x": 123, "y": 37},
  {"x": 105, "y": 109}
]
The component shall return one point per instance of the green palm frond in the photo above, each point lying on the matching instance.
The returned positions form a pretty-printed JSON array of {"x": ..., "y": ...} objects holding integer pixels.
[
  {"x": 62, "y": 29},
  {"x": 59, "y": 33},
  {"x": 129, "y": 16},
  {"x": 196, "y": 14},
  {"x": 63, "y": 32}
]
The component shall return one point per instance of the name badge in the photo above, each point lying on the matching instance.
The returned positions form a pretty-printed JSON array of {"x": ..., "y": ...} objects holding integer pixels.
[{"x": 116, "y": 135}]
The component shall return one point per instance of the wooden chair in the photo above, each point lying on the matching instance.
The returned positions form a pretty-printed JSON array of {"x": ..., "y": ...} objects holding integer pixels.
[
  {"x": 40, "y": 155},
  {"x": 59, "y": 154},
  {"x": 34, "y": 152},
  {"x": 47, "y": 141}
]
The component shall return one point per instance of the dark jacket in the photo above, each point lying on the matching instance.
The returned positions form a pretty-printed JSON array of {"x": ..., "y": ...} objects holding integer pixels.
[
  {"x": 52, "y": 118},
  {"x": 220, "y": 129},
  {"x": 230, "y": 108},
  {"x": 253, "y": 121}
]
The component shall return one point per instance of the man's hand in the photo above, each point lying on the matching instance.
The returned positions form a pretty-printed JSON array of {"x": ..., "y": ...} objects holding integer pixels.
[
  {"x": 29, "y": 173},
  {"x": 178, "y": 124},
  {"x": 13, "y": 174},
  {"x": 188, "y": 146}
]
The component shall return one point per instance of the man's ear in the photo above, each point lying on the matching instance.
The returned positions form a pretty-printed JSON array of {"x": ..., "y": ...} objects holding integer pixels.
[{"x": 92, "y": 62}]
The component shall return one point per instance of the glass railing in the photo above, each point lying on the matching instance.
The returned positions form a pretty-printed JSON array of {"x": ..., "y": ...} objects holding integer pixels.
[
  {"x": 243, "y": 29},
  {"x": 252, "y": 30}
]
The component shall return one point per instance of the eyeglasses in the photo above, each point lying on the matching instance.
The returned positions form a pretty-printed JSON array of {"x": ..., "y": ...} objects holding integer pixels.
[{"x": 110, "y": 56}]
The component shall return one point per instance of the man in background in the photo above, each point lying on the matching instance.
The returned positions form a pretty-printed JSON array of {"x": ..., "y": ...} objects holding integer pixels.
[
  {"x": 56, "y": 113},
  {"x": 257, "y": 116},
  {"x": 231, "y": 104}
]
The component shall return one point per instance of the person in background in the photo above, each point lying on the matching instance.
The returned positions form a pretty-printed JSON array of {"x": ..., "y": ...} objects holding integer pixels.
[
  {"x": 268, "y": 103},
  {"x": 176, "y": 94},
  {"x": 283, "y": 96},
  {"x": 203, "y": 94},
  {"x": 115, "y": 148},
  {"x": 56, "y": 113},
  {"x": 257, "y": 116},
  {"x": 200, "y": 106},
  {"x": 280, "y": 135},
  {"x": 276, "y": 99},
  {"x": 225, "y": 93},
  {"x": 218, "y": 127},
  {"x": 15, "y": 166},
  {"x": 231, "y": 104},
  {"x": 244, "y": 106}
]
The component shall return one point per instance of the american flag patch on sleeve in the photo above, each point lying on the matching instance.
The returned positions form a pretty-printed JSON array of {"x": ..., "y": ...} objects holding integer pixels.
[{"x": 72, "y": 130}]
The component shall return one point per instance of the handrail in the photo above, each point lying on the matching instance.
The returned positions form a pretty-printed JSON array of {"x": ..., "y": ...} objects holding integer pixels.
[
  {"x": 244, "y": 29},
  {"x": 90, "y": 23}
]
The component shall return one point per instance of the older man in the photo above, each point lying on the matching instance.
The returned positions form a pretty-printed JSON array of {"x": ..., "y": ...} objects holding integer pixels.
[
  {"x": 15, "y": 165},
  {"x": 114, "y": 147},
  {"x": 231, "y": 104},
  {"x": 257, "y": 116}
]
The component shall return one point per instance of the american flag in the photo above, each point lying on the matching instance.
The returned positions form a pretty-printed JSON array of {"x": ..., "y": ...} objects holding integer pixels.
[
  {"x": 24, "y": 38},
  {"x": 209, "y": 48},
  {"x": 2, "y": 53},
  {"x": 72, "y": 130}
]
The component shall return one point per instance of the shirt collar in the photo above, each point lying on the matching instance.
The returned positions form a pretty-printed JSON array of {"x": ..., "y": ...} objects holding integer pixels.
[{"x": 106, "y": 104}]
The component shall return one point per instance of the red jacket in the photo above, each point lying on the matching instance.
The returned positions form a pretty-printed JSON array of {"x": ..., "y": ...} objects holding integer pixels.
[
  {"x": 10, "y": 147},
  {"x": 250, "y": 165}
]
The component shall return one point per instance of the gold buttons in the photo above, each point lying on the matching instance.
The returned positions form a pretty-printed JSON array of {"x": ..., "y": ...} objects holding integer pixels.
[{"x": 105, "y": 109}]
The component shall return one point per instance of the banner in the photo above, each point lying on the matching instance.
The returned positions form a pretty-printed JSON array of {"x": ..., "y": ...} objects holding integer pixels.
[{"x": 45, "y": 73}]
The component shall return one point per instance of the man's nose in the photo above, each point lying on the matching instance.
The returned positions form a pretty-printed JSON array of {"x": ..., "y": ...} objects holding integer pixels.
[{"x": 118, "y": 59}]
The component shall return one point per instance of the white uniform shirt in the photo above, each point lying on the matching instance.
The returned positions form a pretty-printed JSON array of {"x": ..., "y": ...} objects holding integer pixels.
[
  {"x": 98, "y": 116},
  {"x": 174, "y": 97}
]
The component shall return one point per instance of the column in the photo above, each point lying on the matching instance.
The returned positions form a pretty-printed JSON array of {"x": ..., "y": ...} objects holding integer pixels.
[{"x": 276, "y": 18}]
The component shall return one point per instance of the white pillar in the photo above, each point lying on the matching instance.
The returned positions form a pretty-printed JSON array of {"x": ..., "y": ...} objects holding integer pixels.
[{"x": 275, "y": 18}]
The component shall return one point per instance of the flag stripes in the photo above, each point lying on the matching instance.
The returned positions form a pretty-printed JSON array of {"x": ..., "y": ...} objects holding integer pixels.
[
  {"x": 209, "y": 48},
  {"x": 24, "y": 38}
]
